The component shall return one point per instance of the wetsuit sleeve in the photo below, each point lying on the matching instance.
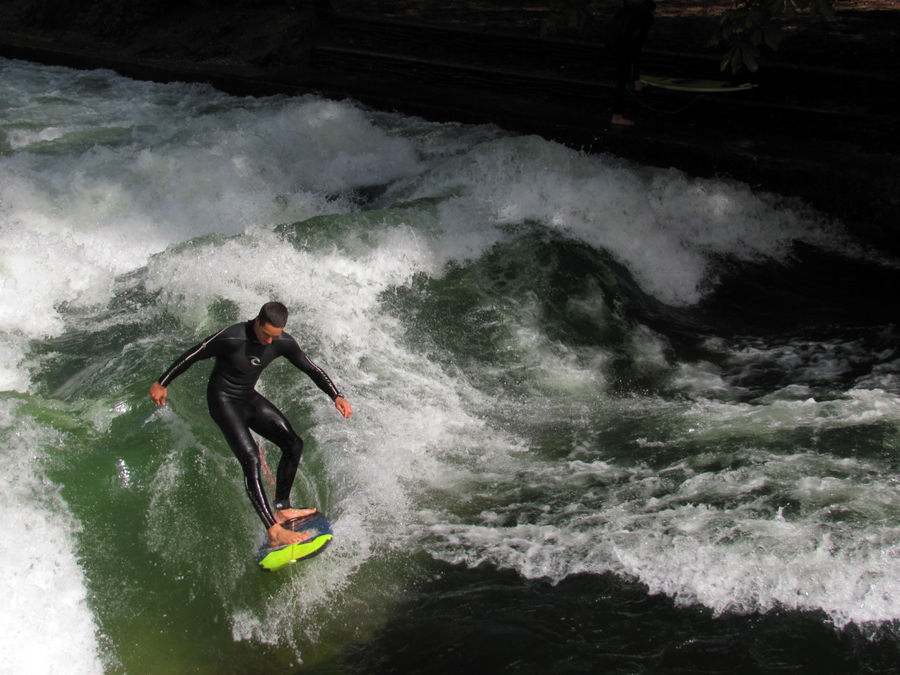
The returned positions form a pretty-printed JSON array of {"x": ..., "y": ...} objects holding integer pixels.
[
  {"x": 190, "y": 357},
  {"x": 298, "y": 357}
]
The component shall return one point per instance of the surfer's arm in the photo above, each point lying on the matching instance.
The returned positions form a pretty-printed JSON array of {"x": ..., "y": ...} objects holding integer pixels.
[
  {"x": 298, "y": 357},
  {"x": 181, "y": 364},
  {"x": 198, "y": 352}
]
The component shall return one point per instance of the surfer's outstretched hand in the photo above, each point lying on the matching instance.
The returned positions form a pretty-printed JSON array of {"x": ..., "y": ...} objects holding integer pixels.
[
  {"x": 343, "y": 405},
  {"x": 158, "y": 393}
]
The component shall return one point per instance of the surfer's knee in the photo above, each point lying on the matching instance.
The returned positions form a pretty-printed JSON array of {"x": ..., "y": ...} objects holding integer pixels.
[
  {"x": 247, "y": 453},
  {"x": 293, "y": 448}
]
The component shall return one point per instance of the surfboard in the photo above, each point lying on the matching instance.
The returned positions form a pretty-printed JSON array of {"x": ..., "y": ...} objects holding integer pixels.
[
  {"x": 320, "y": 535},
  {"x": 695, "y": 86}
]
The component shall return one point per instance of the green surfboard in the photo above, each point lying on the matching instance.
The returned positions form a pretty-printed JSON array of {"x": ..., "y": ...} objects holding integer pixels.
[{"x": 318, "y": 529}]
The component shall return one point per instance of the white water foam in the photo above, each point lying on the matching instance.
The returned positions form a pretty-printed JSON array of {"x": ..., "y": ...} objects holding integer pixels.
[
  {"x": 748, "y": 530},
  {"x": 46, "y": 625},
  {"x": 642, "y": 216},
  {"x": 186, "y": 161}
]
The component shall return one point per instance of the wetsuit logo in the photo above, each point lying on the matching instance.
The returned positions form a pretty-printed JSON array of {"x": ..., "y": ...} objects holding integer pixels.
[{"x": 254, "y": 361}]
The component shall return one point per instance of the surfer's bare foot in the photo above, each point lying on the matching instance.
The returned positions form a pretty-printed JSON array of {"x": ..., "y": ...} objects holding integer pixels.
[
  {"x": 279, "y": 536},
  {"x": 621, "y": 121},
  {"x": 287, "y": 514}
]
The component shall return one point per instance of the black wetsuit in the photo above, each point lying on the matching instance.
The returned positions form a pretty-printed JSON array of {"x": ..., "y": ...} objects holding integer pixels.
[{"x": 237, "y": 407}]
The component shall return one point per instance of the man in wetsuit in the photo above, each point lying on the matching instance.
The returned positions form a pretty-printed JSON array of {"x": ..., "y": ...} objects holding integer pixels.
[{"x": 241, "y": 353}]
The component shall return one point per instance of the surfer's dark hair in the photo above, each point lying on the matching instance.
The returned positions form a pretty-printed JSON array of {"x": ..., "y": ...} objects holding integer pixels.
[{"x": 273, "y": 313}]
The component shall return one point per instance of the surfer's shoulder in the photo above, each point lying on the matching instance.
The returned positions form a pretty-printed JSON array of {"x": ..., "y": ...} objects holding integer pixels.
[
  {"x": 286, "y": 342},
  {"x": 237, "y": 331},
  {"x": 229, "y": 334}
]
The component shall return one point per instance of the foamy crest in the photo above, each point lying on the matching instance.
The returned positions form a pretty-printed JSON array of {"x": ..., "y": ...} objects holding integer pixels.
[
  {"x": 780, "y": 414},
  {"x": 718, "y": 539},
  {"x": 642, "y": 216}
]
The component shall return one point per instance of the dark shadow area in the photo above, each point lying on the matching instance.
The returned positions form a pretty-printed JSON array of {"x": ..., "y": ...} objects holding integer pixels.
[{"x": 484, "y": 620}]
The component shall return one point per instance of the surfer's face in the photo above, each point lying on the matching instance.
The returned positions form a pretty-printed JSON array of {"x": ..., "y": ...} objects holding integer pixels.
[{"x": 266, "y": 333}]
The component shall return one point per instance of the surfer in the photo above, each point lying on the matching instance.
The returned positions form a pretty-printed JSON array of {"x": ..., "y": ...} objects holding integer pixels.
[
  {"x": 241, "y": 353},
  {"x": 628, "y": 30}
]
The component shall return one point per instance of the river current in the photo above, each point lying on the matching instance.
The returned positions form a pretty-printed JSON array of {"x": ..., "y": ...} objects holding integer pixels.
[{"x": 608, "y": 417}]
